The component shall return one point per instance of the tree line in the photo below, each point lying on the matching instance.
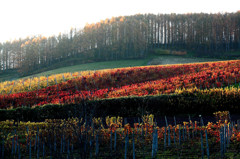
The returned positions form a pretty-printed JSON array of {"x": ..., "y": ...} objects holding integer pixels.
[{"x": 125, "y": 37}]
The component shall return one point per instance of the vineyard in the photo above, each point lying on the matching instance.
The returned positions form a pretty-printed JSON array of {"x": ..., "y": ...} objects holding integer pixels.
[
  {"x": 71, "y": 114},
  {"x": 93, "y": 138},
  {"x": 136, "y": 81}
]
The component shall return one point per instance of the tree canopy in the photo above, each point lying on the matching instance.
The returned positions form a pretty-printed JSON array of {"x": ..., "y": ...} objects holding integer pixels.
[{"x": 125, "y": 37}]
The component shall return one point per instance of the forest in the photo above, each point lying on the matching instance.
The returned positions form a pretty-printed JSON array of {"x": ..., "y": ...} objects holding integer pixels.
[{"x": 125, "y": 37}]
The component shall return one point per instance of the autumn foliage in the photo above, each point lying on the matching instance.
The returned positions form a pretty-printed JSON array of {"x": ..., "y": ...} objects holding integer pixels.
[{"x": 135, "y": 81}]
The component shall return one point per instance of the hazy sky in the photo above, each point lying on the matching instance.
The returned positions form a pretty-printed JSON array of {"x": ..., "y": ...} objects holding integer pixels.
[{"x": 22, "y": 18}]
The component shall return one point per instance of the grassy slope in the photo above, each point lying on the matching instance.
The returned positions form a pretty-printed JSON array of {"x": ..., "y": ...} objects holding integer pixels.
[
  {"x": 13, "y": 75},
  {"x": 159, "y": 56},
  {"x": 96, "y": 66}
]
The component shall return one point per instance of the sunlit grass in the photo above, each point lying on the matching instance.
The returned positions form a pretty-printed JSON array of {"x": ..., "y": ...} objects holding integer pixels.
[{"x": 95, "y": 66}]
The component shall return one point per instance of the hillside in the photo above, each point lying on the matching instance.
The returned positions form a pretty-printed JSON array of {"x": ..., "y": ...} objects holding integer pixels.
[
  {"x": 126, "y": 37},
  {"x": 158, "y": 57},
  {"x": 152, "y": 59},
  {"x": 119, "y": 82},
  {"x": 94, "y": 66},
  {"x": 119, "y": 79},
  {"x": 94, "y": 104}
]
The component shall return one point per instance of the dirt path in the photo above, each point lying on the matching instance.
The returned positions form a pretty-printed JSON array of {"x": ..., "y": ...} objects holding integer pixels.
[{"x": 164, "y": 60}]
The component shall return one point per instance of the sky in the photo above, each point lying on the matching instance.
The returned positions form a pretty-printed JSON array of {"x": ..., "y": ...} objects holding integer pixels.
[{"x": 22, "y": 18}]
